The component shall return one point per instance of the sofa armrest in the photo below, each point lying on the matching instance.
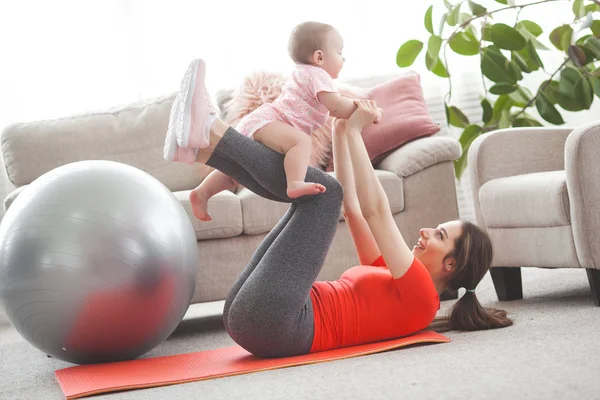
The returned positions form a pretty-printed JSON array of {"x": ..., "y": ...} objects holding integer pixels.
[
  {"x": 583, "y": 184},
  {"x": 513, "y": 151},
  {"x": 11, "y": 197},
  {"x": 6, "y": 186},
  {"x": 516, "y": 151},
  {"x": 420, "y": 154}
]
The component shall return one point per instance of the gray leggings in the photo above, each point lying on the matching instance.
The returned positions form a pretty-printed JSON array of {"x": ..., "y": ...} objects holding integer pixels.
[{"x": 268, "y": 311}]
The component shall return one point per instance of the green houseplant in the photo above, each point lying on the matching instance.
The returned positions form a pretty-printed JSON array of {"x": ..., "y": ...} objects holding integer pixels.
[{"x": 507, "y": 53}]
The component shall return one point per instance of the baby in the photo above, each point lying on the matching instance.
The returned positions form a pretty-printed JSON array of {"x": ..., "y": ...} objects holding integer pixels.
[{"x": 285, "y": 125}]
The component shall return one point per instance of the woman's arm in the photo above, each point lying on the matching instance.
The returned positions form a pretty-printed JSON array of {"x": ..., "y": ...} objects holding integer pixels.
[
  {"x": 364, "y": 242},
  {"x": 373, "y": 201}
]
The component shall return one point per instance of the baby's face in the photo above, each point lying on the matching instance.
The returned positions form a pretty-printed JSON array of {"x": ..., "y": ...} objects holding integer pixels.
[{"x": 333, "y": 61}]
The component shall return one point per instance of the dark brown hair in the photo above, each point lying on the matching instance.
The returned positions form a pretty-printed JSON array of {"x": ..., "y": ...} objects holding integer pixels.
[
  {"x": 473, "y": 254},
  {"x": 307, "y": 38}
]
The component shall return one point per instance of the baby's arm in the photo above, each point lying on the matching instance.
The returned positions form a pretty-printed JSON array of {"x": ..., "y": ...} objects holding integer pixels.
[{"x": 338, "y": 106}]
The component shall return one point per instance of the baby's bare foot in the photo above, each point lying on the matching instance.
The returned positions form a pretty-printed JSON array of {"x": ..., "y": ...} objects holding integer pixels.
[
  {"x": 299, "y": 188},
  {"x": 200, "y": 205}
]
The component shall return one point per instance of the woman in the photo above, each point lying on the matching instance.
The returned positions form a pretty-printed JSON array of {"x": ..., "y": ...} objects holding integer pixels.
[{"x": 276, "y": 308}]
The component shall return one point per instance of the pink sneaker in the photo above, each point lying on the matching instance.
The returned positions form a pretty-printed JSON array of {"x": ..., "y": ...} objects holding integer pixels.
[
  {"x": 172, "y": 151},
  {"x": 196, "y": 107}
]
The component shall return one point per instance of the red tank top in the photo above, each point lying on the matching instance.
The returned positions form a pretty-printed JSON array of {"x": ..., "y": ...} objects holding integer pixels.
[{"x": 368, "y": 305}]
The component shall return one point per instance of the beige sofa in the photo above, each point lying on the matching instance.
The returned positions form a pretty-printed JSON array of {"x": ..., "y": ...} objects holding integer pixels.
[
  {"x": 418, "y": 179},
  {"x": 537, "y": 192}
]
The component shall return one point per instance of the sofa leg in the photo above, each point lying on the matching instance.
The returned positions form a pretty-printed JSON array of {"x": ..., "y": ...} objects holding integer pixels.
[
  {"x": 449, "y": 294},
  {"x": 507, "y": 282},
  {"x": 594, "y": 279}
]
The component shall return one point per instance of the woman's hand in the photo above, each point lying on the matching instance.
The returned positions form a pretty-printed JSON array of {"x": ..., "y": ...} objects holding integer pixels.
[{"x": 366, "y": 113}]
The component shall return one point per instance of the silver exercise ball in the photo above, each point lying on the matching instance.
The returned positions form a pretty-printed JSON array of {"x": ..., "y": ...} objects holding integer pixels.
[{"x": 98, "y": 262}]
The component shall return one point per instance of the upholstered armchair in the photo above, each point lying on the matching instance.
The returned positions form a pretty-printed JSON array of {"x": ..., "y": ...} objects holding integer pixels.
[{"x": 537, "y": 193}]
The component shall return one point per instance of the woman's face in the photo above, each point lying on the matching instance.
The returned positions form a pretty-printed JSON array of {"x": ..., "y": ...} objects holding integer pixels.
[{"x": 435, "y": 243}]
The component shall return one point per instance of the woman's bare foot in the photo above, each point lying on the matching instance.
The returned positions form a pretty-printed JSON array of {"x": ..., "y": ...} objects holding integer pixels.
[
  {"x": 199, "y": 203},
  {"x": 300, "y": 188}
]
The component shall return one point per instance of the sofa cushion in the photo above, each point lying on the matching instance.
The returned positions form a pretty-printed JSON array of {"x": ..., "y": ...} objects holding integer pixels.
[
  {"x": 225, "y": 208},
  {"x": 260, "y": 215},
  {"x": 132, "y": 135},
  {"x": 530, "y": 200},
  {"x": 406, "y": 116},
  {"x": 226, "y": 211}
]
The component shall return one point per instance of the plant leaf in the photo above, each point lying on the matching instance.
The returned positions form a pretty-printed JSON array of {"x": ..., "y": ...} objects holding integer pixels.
[
  {"x": 456, "y": 117},
  {"x": 528, "y": 59},
  {"x": 504, "y": 121},
  {"x": 576, "y": 92},
  {"x": 585, "y": 92},
  {"x": 433, "y": 47},
  {"x": 429, "y": 20},
  {"x": 595, "y": 28},
  {"x": 514, "y": 71},
  {"x": 590, "y": 8},
  {"x": 520, "y": 60},
  {"x": 436, "y": 66},
  {"x": 477, "y": 9},
  {"x": 464, "y": 17},
  {"x": 495, "y": 66},
  {"x": 488, "y": 111},
  {"x": 596, "y": 85},
  {"x": 408, "y": 52},
  {"x": 486, "y": 32},
  {"x": 442, "y": 24},
  {"x": 503, "y": 102},
  {"x": 503, "y": 88},
  {"x": 547, "y": 110},
  {"x": 569, "y": 77},
  {"x": 593, "y": 45},
  {"x": 578, "y": 9},
  {"x": 470, "y": 133},
  {"x": 464, "y": 43},
  {"x": 589, "y": 56},
  {"x": 467, "y": 137},
  {"x": 506, "y": 37},
  {"x": 530, "y": 27},
  {"x": 531, "y": 37},
  {"x": 448, "y": 5},
  {"x": 459, "y": 166},
  {"x": 521, "y": 96},
  {"x": 551, "y": 91},
  {"x": 452, "y": 18},
  {"x": 561, "y": 37},
  {"x": 577, "y": 55},
  {"x": 534, "y": 62},
  {"x": 523, "y": 122}
]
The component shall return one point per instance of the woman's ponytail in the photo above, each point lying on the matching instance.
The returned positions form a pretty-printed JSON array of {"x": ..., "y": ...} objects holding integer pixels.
[{"x": 473, "y": 255}]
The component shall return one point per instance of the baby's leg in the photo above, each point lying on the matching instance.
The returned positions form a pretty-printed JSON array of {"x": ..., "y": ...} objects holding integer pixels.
[
  {"x": 214, "y": 183},
  {"x": 296, "y": 146}
]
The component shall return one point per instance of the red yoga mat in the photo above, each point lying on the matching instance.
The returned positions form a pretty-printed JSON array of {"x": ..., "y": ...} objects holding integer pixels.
[{"x": 87, "y": 380}]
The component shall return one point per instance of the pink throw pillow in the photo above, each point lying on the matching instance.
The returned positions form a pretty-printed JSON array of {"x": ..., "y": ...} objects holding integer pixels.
[{"x": 405, "y": 117}]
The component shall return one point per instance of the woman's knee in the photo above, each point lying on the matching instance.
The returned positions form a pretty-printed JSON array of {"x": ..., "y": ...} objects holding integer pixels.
[{"x": 334, "y": 188}]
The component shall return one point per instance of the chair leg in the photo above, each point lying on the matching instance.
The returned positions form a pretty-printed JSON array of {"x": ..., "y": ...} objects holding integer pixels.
[
  {"x": 507, "y": 282},
  {"x": 594, "y": 279},
  {"x": 449, "y": 294}
]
